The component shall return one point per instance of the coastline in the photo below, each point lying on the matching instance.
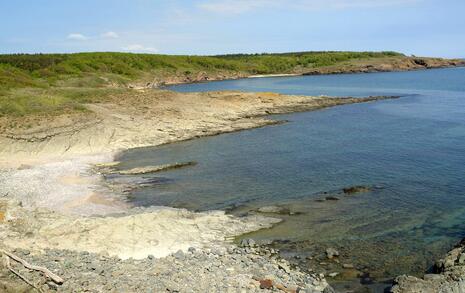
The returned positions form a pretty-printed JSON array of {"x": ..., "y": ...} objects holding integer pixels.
[
  {"x": 68, "y": 140},
  {"x": 53, "y": 193},
  {"x": 363, "y": 66}
]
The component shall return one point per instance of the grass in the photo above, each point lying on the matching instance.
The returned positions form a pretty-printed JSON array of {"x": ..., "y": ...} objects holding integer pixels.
[
  {"x": 50, "y": 83},
  {"x": 27, "y": 101}
]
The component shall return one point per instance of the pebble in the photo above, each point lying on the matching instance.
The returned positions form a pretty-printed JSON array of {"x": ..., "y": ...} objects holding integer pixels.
[
  {"x": 218, "y": 269},
  {"x": 331, "y": 252}
]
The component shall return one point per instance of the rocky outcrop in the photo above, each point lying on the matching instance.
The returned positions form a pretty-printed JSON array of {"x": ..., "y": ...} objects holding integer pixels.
[
  {"x": 448, "y": 276},
  {"x": 387, "y": 65},
  {"x": 147, "y": 118},
  {"x": 154, "y": 169},
  {"x": 185, "y": 77}
]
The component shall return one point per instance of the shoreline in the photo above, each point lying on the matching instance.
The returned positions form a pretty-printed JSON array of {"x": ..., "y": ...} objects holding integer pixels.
[
  {"x": 82, "y": 190},
  {"x": 331, "y": 70},
  {"x": 63, "y": 204},
  {"x": 244, "y": 119}
]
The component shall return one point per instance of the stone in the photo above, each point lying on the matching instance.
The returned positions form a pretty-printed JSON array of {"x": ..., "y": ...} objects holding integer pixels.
[
  {"x": 332, "y": 275},
  {"x": 428, "y": 277},
  {"x": 347, "y": 266},
  {"x": 462, "y": 258},
  {"x": 248, "y": 243},
  {"x": 179, "y": 255},
  {"x": 331, "y": 253},
  {"x": 285, "y": 267},
  {"x": 266, "y": 284}
]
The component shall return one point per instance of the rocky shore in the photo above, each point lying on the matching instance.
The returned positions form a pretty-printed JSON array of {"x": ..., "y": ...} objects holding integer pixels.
[
  {"x": 57, "y": 212},
  {"x": 154, "y": 250},
  {"x": 446, "y": 276},
  {"x": 222, "y": 269}
]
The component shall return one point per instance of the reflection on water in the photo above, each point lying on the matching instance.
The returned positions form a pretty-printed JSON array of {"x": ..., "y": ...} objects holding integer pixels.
[{"x": 412, "y": 149}]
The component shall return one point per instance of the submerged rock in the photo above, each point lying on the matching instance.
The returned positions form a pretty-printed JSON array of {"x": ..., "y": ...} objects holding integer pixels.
[
  {"x": 331, "y": 198},
  {"x": 356, "y": 189},
  {"x": 274, "y": 210}
]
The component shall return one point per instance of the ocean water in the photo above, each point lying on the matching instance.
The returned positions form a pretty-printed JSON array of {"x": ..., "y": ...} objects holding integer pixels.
[{"x": 410, "y": 151}]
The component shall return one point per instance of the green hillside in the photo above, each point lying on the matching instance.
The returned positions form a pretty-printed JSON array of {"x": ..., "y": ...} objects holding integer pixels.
[{"x": 42, "y": 70}]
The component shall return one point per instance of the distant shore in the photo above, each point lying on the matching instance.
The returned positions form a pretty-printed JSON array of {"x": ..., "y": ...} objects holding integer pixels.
[{"x": 273, "y": 75}]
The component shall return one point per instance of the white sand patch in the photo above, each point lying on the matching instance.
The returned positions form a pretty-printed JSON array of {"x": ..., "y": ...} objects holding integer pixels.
[{"x": 67, "y": 186}]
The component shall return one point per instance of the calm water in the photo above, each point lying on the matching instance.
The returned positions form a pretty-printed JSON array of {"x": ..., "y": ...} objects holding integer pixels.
[{"x": 412, "y": 149}]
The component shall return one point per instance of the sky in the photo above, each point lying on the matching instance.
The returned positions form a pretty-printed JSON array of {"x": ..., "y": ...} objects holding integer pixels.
[{"x": 208, "y": 27}]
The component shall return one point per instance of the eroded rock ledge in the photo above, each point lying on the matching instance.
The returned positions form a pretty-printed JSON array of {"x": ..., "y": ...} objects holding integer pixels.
[
  {"x": 147, "y": 118},
  {"x": 448, "y": 276}
]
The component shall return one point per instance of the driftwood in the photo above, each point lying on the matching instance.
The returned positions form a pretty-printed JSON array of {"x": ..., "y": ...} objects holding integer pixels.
[
  {"x": 6, "y": 261},
  {"x": 47, "y": 273}
]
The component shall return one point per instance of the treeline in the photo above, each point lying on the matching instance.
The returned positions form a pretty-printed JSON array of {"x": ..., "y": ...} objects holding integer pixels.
[{"x": 133, "y": 65}]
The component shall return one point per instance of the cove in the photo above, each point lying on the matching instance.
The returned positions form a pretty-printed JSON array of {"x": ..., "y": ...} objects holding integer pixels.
[{"x": 410, "y": 151}]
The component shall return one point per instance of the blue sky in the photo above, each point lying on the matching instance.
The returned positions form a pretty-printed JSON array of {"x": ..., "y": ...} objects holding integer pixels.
[{"x": 420, "y": 27}]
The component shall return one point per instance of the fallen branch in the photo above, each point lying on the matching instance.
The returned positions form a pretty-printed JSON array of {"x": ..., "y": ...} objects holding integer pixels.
[
  {"x": 55, "y": 278},
  {"x": 6, "y": 261}
]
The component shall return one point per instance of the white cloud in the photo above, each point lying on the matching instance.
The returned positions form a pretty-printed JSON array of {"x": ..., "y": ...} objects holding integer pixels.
[
  {"x": 241, "y": 6},
  {"x": 233, "y": 7},
  {"x": 110, "y": 35},
  {"x": 77, "y": 37},
  {"x": 139, "y": 48}
]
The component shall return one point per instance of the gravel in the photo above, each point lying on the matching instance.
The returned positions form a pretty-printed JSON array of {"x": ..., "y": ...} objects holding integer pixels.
[{"x": 232, "y": 269}]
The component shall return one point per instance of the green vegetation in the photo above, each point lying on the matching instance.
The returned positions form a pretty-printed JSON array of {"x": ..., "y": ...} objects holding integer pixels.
[
  {"x": 24, "y": 101},
  {"x": 53, "y": 82}
]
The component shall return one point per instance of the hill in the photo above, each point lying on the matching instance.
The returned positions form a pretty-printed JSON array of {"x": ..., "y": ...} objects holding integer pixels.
[{"x": 47, "y": 83}]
